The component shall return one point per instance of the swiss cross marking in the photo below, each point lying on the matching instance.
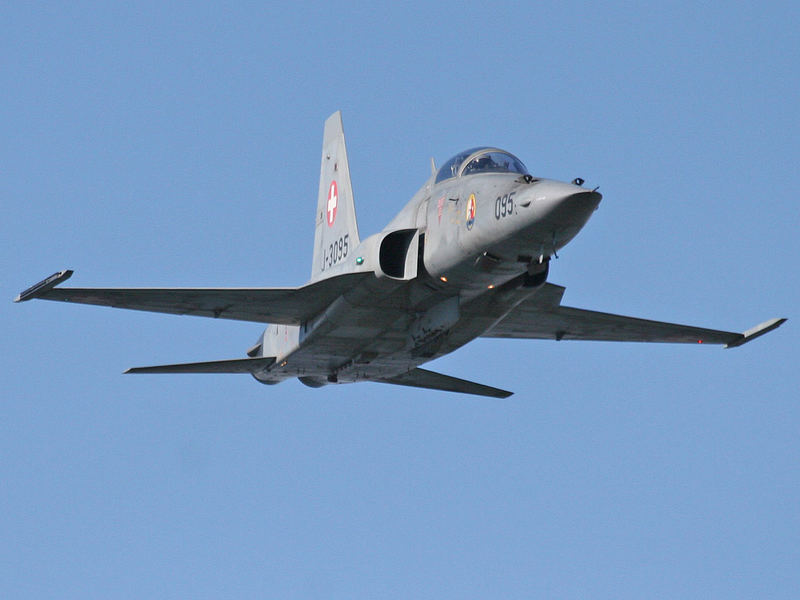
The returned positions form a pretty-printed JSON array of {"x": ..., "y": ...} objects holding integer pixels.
[{"x": 333, "y": 202}]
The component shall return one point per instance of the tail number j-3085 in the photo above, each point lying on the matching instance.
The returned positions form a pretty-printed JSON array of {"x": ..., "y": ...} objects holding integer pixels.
[{"x": 335, "y": 252}]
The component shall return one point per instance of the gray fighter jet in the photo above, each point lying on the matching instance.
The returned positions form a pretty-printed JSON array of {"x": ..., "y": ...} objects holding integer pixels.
[{"x": 467, "y": 257}]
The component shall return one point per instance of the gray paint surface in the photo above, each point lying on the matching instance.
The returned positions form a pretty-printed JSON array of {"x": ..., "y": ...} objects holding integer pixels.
[{"x": 466, "y": 257}]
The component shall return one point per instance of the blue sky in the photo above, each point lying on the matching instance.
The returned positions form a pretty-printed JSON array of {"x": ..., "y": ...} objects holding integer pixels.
[{"x": 157, "y": 145}]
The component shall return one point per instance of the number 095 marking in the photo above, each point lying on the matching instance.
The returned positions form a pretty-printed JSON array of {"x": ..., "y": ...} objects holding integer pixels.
[{"x": 504, "y": 206}]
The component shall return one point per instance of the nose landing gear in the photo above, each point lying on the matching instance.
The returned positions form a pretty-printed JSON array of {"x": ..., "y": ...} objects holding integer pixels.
[{"x": 537, "y": 273}]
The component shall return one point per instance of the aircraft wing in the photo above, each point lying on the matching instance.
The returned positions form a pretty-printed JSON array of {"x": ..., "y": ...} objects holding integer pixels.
[
  {"x": 543, "y": 317},
  {"x": 284, "y": 306},
  {"x": 422, "y": 378}
]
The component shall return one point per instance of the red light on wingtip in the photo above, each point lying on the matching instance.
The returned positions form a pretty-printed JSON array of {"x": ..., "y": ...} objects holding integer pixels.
[{"x": 699, "y": 341}]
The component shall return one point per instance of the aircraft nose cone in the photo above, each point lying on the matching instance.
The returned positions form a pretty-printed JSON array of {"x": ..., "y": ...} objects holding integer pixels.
[
  {"x": 569, "y": 205},
  {"x": 560, "y": 211},
  {"x": 581, "y": 203}
]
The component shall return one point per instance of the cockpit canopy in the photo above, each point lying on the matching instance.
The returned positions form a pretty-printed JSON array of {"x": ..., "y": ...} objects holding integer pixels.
[{"x": 480, "y": 160}]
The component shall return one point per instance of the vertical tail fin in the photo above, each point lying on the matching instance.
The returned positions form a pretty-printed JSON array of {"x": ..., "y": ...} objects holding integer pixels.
[{"x": 336, "y": 233}]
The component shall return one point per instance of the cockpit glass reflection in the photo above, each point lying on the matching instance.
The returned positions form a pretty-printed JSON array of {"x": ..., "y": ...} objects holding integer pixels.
[{"x": 490, "y": 161}]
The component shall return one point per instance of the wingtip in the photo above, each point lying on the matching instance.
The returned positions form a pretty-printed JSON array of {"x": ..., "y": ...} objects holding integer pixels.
[
  {"x": 44, "y": 285},
  {"x": 757, "y": 331}
]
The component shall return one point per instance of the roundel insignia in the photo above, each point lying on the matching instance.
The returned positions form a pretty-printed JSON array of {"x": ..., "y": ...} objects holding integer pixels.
[
  {"x": 471, "y": 209},
  {"x": 333, "y": 203}
]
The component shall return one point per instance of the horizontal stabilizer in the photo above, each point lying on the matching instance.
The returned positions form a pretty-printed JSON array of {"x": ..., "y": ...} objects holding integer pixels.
[
  {"x": 284, "y": 306},
  {"x": 422, "y": 378},
  {"x": 239, "y": 365}
]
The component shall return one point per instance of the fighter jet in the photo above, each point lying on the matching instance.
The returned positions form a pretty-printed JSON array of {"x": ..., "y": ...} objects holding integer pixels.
[{"x": 467, "y": 257}]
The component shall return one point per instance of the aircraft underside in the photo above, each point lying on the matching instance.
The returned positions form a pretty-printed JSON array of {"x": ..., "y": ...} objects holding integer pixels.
[{"x": 368, "y": 344}]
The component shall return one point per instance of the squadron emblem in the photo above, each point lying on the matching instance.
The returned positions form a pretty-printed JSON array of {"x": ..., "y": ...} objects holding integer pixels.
[{"x": 471, "y": 208}]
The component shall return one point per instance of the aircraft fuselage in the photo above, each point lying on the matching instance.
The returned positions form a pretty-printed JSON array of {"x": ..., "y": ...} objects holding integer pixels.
[{"x": 460, "y": 255}]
